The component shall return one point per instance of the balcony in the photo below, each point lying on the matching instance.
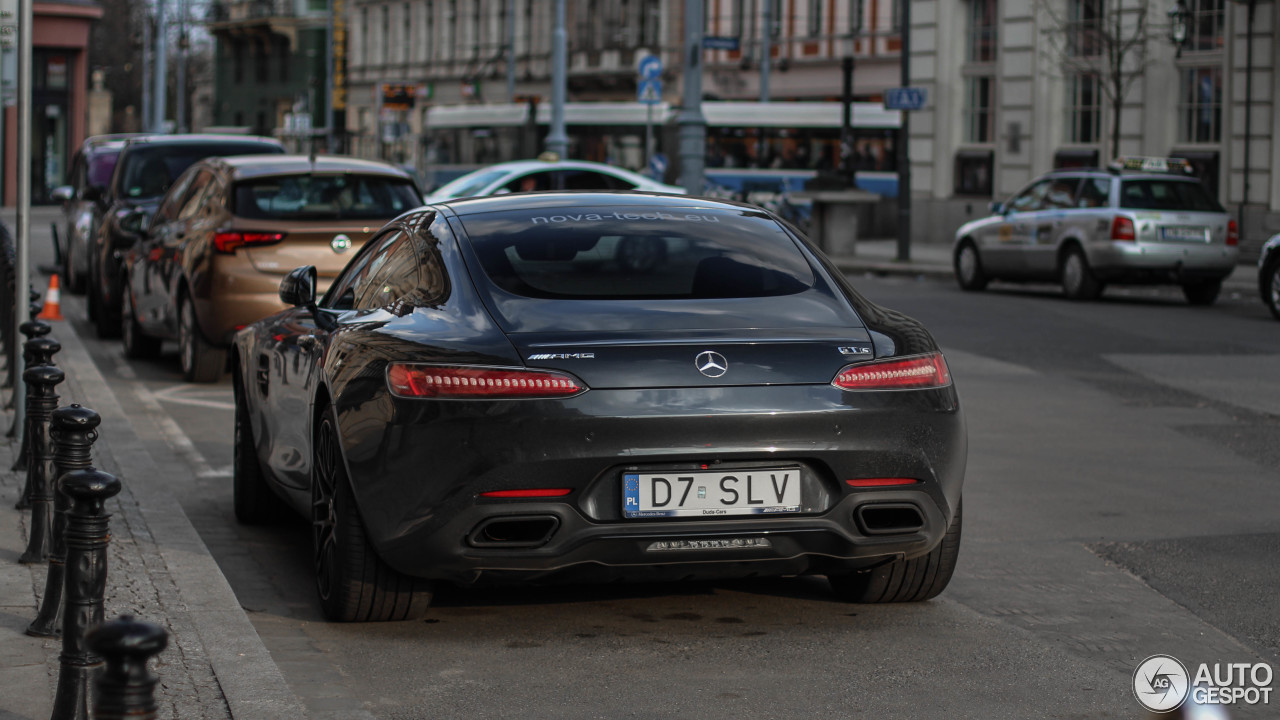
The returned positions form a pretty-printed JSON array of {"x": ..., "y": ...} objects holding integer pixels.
[{"x": 227, "y": 14}]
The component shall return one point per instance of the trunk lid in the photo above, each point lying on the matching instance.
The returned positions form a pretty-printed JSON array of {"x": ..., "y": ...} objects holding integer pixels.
[{"x": 306, "y": 244}]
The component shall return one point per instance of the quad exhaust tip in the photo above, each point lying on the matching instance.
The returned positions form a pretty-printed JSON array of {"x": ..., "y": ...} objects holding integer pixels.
[
  {"x": 517, "y": 531},
  {"x": 889, "y": 518}
]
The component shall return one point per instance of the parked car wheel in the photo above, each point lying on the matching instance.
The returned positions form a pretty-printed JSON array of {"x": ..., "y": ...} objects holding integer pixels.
[
  {"x": 255, "y": 503},
  {"x": 201, "y": 362},
  {"x": 968, "y": 265},
  {"x": 1270, "y": 284},
  {"x": 137, "y": 344},
  {"x": 105, "y": 323},
  {"x": 1202, "y": 293},
  {"x": 911, "y": 580},
  {"x": 71, "y": 280},
  {"x": 354, "y": 584},
  {"x": 1078, "y": 280}
]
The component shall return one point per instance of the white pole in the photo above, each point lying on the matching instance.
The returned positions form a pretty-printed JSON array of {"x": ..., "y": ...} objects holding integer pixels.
[{"x": 22, "y": 282}]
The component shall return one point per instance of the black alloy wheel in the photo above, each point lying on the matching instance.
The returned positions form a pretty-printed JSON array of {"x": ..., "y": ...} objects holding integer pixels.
[
  {"x": 1270, "y": 283},
  {"x": 201, "y": 362},
  {"x": 353, "y": 583},
  {"x": 254, "y": 502},
  {"x": 137, "y": 344},
  {"x": 968, "y": 266},
  {"x": 913, "y": 580},
  {"x": 1078, "y": 280},
  {"x": 1202, "y": 293}
]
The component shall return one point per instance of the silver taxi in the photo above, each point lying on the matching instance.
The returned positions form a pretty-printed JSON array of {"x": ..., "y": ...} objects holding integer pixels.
[{"x": 1141, "y": 220}]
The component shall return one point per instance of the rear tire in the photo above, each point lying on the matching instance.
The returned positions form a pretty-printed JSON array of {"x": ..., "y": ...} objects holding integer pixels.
[
  {"x": 1202, "y": 293},
  {"x": 1078, "y": 280},
  {"x": 1270, "y": 284},
  {"x": 137, "y": 344},
  {"x": 968, "y": 266},
  {"x": 255, "y": 503},
  {"x": 913, "y": 580},
  {"x": 353, "y": 583},
  {"x": 105, "y": 322},
  {"x": 71, "y": 280},
  {"x": 201, "y": 362}
]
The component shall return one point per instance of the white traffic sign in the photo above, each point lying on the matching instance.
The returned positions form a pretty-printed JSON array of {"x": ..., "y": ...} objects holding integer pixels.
[
  {"x": 905, "y": 98},
  {"x": 650, "y": 67},
  {"x": 649, "y": 92}
]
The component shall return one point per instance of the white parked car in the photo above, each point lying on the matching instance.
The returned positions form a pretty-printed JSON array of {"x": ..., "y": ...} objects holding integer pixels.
[{"x": 539, "y": 175}]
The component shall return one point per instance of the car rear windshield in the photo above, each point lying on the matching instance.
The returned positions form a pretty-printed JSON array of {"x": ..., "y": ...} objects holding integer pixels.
[
  {"x": 324, "y": 197},
  {"x": 1158, "y": 194},
  {"x": 150, "y": 169},
  {"x": 602, "y": 253}
]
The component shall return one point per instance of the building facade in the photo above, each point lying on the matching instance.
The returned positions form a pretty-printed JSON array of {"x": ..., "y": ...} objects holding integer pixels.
[{"x": 1019, "y": 87}]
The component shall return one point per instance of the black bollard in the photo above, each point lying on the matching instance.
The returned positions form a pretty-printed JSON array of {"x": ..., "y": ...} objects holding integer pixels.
[
  {"x": 32, "y": 329},
  {"x": 73, "y": 431},
  {"x": 41, "y": 402},
  {"x": 126, "y": 689},
  {"x": 87, "y": 537},
  {"x": 39, "y": 350}
]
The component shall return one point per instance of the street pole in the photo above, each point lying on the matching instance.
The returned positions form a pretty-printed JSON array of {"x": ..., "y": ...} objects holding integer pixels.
[
  {"x": 904, "y": 157},
  {"x": 180, "y": 113},
  {"x": 511, "y": 51},
  {"x": 648, "y": 137},
  {"x": 766, "y": 59},
  {"x": 693, "y": 125},
  {"x": 557, "y": 140},
  {"x": 22, "y": 254},
  {"x": 159, "y": 72}
]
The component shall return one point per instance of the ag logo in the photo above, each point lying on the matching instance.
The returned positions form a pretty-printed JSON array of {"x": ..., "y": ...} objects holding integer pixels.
[
  {"x": 711, "y": 364},
  {"x": 1161, "y": 683}
]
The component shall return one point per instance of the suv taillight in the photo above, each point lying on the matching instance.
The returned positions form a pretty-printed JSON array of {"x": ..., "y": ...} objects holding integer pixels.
[
  {"x": 481, "y": 383},
  {"x": 227, "y": 242},
  {"x": 1122, "y": 229},
  {"x": 1233, "y": 233},
  {"x": 913, "y": 373}
]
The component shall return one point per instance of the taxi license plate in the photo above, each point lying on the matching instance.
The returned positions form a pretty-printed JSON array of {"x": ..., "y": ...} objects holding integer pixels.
[
  {"x": 753, "y": 491},
  {"x": 1185, "y": 234}
]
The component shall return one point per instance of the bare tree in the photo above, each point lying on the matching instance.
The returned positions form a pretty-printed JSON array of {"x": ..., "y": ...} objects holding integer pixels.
[{"x": 1106, "y": 38}]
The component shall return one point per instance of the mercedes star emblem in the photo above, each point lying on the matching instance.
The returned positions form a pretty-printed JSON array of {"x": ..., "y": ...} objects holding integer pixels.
[
  {"x": 711, "y": 364},
  {"x": 340, "y": 243}
]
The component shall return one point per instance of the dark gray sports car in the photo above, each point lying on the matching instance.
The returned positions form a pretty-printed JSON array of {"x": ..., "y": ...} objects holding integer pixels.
[{"x": 597, "y": 386}]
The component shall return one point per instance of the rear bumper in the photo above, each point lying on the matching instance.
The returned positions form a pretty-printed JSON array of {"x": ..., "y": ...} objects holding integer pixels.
[
  {"x": 417, "y": 479},
  {"x": 1162, "y": 262}
]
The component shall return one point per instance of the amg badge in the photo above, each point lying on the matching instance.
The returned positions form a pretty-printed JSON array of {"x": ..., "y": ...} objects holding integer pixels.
[{"x": 563, "y": 356}]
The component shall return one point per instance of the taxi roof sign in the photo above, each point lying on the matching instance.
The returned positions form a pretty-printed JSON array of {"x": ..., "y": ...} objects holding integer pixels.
[{"x": 1151, "y": 164}]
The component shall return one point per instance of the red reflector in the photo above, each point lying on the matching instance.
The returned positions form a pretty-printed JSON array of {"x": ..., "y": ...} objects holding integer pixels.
[
  {"x": 440, "y": 381},
  {"x": 1233, "y": 233},
  {"x": 227, "y": 242},
  {"x": 528, "y": 493},
  {"x": 880, "y": 482},
  {"x": 1122, "y": 229},
  {"x": 913, "y": 373}
]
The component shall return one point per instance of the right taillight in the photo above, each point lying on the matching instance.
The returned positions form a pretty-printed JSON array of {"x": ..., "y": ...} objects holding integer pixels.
[
  {"x": 1122, "y": 229},
  {"x": 911, "y": 373},
  {"x": 1233, "y": 233},
  {"x": 479, "y": 383},
  {"x": 227, "y": 242}
]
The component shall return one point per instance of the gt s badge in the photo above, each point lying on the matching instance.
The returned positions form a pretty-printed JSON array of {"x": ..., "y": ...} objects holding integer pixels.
[{"x": 854, "y": 349}]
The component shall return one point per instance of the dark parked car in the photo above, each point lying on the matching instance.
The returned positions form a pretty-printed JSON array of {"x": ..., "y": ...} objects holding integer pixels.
[
  {"x": 483, "y": 395},
  {"x": 1269, "y": 275},
  {"x": 83, "y": 204},
  {"x": 145, "y": 169},
  {"x": 228, "y": 231}
]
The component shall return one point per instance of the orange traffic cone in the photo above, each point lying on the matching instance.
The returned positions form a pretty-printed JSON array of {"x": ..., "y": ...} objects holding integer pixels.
[{"x": 52, "y": 302}]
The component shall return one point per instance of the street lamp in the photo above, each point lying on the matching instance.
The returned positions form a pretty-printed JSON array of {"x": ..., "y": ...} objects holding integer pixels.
[{"x": 1178, "y": 17}]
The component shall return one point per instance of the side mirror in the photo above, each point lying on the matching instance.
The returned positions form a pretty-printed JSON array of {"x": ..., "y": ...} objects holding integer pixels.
[
  {"x": 63, "y": 194},
  {"x": 135, "y": 221},
  {"x": 997, "y": 207},
  {"x": 298, "y": 288}
]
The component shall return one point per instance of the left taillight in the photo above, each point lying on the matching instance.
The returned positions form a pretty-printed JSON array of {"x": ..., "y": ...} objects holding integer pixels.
[
  {"x": 480, "y": 383},
  {"x": 911, "y": 373},
  {"x": 227, "y": 242},
  {"x": 1233, "y": 233}
]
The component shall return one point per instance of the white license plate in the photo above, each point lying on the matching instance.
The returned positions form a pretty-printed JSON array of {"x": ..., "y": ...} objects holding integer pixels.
[
  {"x": 754, "y": 491},
  {"x": 1195, "y": 234}
]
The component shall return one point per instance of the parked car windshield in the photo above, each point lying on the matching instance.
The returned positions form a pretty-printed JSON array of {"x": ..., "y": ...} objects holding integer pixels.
[
  {"x": 469, "y": 185},
  {"x": 150, "y": 169},
  {"x": 322, "y": 197},
  {"x": 1159, "y": 194},
  {"x": 101, "y": 165},
  {"x": 602, "y": 253}
]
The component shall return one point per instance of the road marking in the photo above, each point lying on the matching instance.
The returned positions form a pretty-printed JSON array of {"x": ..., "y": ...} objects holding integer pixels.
[
  {"x": 183, "y": 395},
  {"x": 176, "y": 437}
]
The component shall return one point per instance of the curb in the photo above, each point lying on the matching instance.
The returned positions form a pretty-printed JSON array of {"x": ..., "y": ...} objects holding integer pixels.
[{"x": 249, "y": 680}]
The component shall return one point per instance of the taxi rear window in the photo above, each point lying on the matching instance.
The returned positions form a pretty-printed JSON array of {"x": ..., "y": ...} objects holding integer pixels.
[
  {"x": 1158, "y": 194},
  {"x": 602, "y": 253}
]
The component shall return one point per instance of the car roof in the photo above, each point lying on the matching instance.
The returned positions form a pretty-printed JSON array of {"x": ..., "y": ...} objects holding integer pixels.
[
  {"x": 251, "y": 166},
  {"x": 631, "y": 199},
  {"x": 193, "y": 138},
  {"x": 1114, "y": 172}
]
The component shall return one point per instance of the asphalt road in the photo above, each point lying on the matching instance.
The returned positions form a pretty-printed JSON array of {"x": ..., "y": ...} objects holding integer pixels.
[{"x": 1122, "y": 500}]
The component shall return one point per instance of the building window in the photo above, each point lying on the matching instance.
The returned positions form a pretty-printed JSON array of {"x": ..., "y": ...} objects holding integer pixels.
[
  {"x": 262, "y": 65},
  {"x": 978, "y": 105},
  {"x": 739, "y": 17},
  {"x": 365, "y": 53},
  {"x": 1200, "y": 106},
  {"x": 477, "y": 24},
  {"x": 982, "y": 31},
  {"x": 974, "y": 171},
  {"x": 857, "y": 11},
  {"x": 429, "y": 44},
  {"x": 650, "y": 23},
  {"x": 237, "y": 62},
  {"x": 1084, "y": 27},
  {"x": 815, "y": 18},
  {"x": 1205, "y": 23},
  {"x": 895, "y": 16},
  {"x": 452, "y": 30},
  {"x": 1084, "y": 108},
  {"x": 407, "y": 51},
  {"x": 386, "y": 34},
  {"x": 282, "y": 52}
]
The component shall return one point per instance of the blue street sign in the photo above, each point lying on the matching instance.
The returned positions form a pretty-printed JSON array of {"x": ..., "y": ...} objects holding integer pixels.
[
  {"x": 719, "y": 42},
  {"x": 650, "y": 67},
  {"x": 658, "y": 166},
  {"x": 905, "y": 98},
  {"x": 649, "y": 92}
]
